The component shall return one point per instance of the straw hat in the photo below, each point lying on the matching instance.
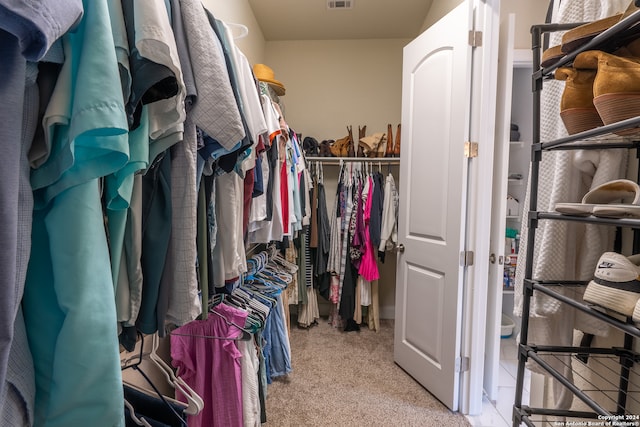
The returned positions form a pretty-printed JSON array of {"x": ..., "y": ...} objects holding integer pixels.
[{"x": 266, "y": 74}]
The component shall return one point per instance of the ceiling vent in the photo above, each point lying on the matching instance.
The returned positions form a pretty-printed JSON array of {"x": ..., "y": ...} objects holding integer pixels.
[{"x": 339, "y": 4}]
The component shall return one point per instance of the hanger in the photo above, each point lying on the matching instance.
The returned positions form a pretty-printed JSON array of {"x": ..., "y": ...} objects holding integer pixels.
[
  {"x": 195, "y": 403},
  {"x": 136, "y": 366},
  {"x": 146, "y": 391},
  {"x": 228, "y": 322},
  {"x": 243, "y": 30},
  {"x": 293, "y": 268},
  {"x": 246, "y": 336},
  {"x": 134, "y": 418},
  {"x": 254, "y": 307}
]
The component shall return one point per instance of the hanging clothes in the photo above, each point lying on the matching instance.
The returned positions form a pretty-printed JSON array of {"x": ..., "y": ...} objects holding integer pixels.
[
  {"x": 368, "y": 268},
  {"x": 215, "y": 110},
  {"x": 321, "y": 273},
  {"x": 271, "y": 227},
  {"x": 351, "y": 280},
  {"x": 377, "y": 204},
  {"x": 211, "y": 366},
  {"x": 389, "y": 228},
  {"x": 155, "y": 140},
  {"x": 69, "y": 285}
]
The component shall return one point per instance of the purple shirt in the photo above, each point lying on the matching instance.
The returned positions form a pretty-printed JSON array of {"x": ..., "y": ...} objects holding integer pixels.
[{"x": 211, "y": 367}]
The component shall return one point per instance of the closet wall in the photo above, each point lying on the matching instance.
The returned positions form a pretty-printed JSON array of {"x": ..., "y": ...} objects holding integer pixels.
[{"x": 335, "y": 83}]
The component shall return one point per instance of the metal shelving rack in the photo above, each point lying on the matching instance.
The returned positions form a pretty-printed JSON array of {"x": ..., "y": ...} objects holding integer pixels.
[{"x": 527, "y": 351}]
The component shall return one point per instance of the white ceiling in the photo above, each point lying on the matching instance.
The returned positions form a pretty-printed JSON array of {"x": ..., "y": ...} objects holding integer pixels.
[{"x": 312, "y": 20}]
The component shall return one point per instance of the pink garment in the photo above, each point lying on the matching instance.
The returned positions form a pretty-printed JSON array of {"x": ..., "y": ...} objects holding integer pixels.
[
  {"x": 368, "y": 265},
  {"x": 211, "y": 367},
  {"x": 334, "y": 290},
  {"x": 284, "y": 197}
]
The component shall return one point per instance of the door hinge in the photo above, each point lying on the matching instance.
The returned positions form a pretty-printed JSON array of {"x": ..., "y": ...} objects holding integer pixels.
[
  {"x": 475, "y": 38},
  {"x": 470, "y": 149},
  {"x": 466, "y": 258},
  {"x": 462, "y": 364}
]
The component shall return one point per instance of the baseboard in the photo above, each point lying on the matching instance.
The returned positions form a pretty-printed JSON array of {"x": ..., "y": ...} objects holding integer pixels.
[
  {"x": 388, "y": 312},
  {"x": 324, "y": 307}
]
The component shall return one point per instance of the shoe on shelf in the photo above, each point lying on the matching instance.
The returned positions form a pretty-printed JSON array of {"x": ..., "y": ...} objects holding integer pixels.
[
  {"x": 325, "y": 148},
  {"x": 579, "y": 36},
  {"x": 616, "y": 87},
  {"x": 389, "y": 149},
  {"x": 396, "y": 145},
  {"x": 576, "y": 105},
  {"x": 636, "y": 313},
  {"x": 343, "y": 147},
  {"x": 551, "y": 56},
  {"x": 618, "y": 198},
  {"x": 351, "y": 150},
  {"x": 362, "y": 132},
  {"x": 616, "y": 284}
]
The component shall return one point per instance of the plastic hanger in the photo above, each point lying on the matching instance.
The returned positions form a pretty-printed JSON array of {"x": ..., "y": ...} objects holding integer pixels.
[
  {"x": 291, "y": 267},
  {"x": 194, "y": 401},
  {"x": 228, "y": 322},
  {"x": 256, "y": 305},
  {"x": 134, "y": 418},
  {"x": 244, "y": 30},
  {"x": 136, "y": 366},
  {"x": 146, "y": 391}
]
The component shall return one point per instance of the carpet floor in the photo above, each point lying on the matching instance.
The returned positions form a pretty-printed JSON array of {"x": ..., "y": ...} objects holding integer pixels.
[{"x": 350, "y": 379}]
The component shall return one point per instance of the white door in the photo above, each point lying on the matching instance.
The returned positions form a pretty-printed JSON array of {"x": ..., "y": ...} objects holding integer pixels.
[
  {"x": 448, "y": 99},
  {"x": 436, "y": 90}
]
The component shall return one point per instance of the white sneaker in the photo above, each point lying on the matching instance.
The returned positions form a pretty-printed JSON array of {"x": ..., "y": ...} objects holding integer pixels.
[{"x": 616, "y": 285}]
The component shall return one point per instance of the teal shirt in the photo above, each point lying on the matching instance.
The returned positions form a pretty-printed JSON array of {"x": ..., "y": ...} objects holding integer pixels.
[
  {"x": 69, "y": 297},
  {"x": 85, "y": 121}
]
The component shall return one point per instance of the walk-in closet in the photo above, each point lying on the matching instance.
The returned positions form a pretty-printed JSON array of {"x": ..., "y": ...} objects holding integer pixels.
[{"x": 319, "y": 213}]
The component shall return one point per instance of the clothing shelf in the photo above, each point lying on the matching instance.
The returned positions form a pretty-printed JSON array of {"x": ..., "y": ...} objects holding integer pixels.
[
  {"x": 624, "y": 325},
  {"x": 597, "y": 401},
  {"x": 622, "y": 222}
]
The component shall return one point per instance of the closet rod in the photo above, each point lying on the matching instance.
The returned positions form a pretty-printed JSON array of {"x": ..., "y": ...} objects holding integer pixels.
[{"x": 337, "y": 160}]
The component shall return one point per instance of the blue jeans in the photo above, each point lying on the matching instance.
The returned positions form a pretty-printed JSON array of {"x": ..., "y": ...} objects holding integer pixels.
[{"x": 277, "y": 350}]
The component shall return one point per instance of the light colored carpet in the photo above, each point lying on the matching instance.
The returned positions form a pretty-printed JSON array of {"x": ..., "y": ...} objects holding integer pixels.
[{"x": 350, "y": 379}]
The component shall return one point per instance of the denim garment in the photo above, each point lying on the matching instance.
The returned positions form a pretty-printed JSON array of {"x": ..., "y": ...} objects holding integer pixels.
[{"x": 277, "y": 352}]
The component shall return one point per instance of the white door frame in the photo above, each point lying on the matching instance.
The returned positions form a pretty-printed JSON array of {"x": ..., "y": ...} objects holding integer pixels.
[
  {"x": 498, "y": 219},
  {"x": 482, "y": 130}
]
